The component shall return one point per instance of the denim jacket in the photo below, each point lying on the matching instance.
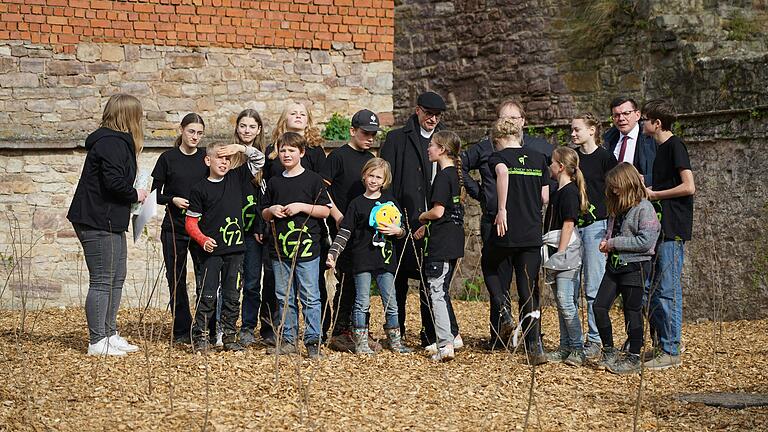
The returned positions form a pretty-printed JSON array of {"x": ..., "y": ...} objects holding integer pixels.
[{"x": 561, "y": 264}]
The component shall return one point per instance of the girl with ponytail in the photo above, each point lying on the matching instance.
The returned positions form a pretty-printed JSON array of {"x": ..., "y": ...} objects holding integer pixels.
[
  {"x": 176, "y": 171},
  {"x": 563, "y": 242},
  {"x": 443, "y": 235}
]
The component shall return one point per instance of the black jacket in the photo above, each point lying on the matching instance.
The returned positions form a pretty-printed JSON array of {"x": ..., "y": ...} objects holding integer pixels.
[
  {"x": 105, "y": 191},
  {"x": 411, "y": 169},
  {"x": 476, "y": 158},
  {"x": 645, "y": 151}
]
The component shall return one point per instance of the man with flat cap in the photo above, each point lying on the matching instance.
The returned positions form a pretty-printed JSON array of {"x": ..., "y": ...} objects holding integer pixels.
[{"x": 406, "y": 151}]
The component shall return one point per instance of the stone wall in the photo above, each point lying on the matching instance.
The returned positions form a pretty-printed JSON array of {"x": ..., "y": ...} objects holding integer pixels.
[
  {"x": 708, "y": 57},
  {"x": 48, "y": 97}
]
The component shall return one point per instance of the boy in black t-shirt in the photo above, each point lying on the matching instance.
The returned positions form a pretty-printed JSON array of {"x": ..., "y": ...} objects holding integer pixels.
[
  {"x": 294, "y": 205},
  {"x": 673, "y": 187},
  {"x": 214, "y": 221},
  {"x": 341, "y": 173}
]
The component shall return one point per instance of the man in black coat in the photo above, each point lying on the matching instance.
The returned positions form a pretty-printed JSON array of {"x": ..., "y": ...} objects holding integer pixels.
[
  {"x": 626, "y": 139},
  {"x": 476, "y": 158},
  {"x": 406, "y": 151}
]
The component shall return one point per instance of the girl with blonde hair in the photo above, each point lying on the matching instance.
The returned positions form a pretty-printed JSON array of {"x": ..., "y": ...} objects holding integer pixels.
[{"x": 99, "y": 213}]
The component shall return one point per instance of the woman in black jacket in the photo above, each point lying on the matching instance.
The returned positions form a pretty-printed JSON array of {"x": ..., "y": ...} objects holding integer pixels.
[{"x": 99, "y": 214}]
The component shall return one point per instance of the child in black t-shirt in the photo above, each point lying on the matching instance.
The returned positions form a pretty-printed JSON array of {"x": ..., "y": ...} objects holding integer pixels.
[
  {"x": 294, "y": 205},
  {"x": 563, "y": 241},
  {"x": 629, "y": 243},
  {"x": 341, "y": 173},
  {"x": 249, "y": 131},
  {"x": 594, "y": 163},
  {"x": 443, "y": 235},
  {"x": 523, "y": 189},
  {"x": 369, "y": 224},
  {"x": 176, "y": 171},
  {"x": 673, "y": 187},
  {"x": 214, "y": 221}
]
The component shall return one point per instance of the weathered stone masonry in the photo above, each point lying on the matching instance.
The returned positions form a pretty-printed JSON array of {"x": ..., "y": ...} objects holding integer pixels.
[{"x": 61, "y": 59}]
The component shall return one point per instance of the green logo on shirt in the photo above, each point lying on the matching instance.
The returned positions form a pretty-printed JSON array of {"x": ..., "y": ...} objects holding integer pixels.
[
  {"x": 248, "y": 218},
  {"x": 521, "y": 159},
  {"x": 230, "y": 230},
  {"x": 290, "y": 241}
]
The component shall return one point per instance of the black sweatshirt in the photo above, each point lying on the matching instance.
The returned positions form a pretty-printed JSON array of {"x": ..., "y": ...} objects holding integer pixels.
[{"x": 105, "y": 190}]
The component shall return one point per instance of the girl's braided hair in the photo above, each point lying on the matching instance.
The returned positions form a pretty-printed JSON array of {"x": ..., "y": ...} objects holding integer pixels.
[{"x": 452, "y": 144}]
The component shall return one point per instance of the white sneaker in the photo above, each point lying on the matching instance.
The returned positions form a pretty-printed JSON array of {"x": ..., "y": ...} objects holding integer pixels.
[
  {"x": 122, "y": 344},
  {"x": 104, "y": 348},
  {"x": 444, "y": 354},
  {"x": 220, "y": 339},
  {"x": 458, "y": 343}
]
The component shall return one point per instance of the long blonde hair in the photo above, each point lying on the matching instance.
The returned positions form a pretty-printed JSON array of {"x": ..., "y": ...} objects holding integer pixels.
[
  {"x": 311, "y": 133},
  {"x": 123, "y": 113},
  {"x": 625, "y": 178},
  {"x": 569, "y": 159}
]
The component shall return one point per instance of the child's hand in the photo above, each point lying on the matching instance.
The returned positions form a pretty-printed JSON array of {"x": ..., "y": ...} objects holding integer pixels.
[
  {"x": 651, "y": 194},
  {"x": 293, "y": 209},
  {"x": 141, "y": 195},
  {"x": 229, "y": 150},
  {"x": 419, "y": 234},
  {"x": 330, "y": 262},
  {"x": 259, "y": 238},
  {"x": 423, "y": 217},
  {"x": 209, "y": 245},
  {"x": 603, "y": 247},
  {"x": 390, "y": 229},
  {"x": 180, "y": 202},
  {"x": 501, "y": 222},
  {"x": 277, "y": 211}
]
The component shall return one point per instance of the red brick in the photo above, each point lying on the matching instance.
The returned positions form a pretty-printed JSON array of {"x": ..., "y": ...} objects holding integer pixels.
[
  {"x": 10, "y": 17},
  {"x": 348, "y": 20},
  {"x": 184, "y": 9},
  {"x": 342, "y": 2},
  {"x": 165, "y": 9},
  {"x": 342, "y": 37},
  {"x": 34, "y": 19},
  {"x": 143, "y": 26},
  {"x": 101, "y": 4}
]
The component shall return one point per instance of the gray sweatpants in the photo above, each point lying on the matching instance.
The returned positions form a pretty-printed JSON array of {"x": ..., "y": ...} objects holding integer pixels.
[
  {"x": 105, "y": 255},
  {"x": 439, "y": 275}
]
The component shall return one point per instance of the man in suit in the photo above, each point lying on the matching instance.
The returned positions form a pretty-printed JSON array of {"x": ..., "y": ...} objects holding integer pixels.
[
  {"x": 626, "y": 139},
  {"x": 406, "y": 151},
  {"x": 476, "y": 158}
]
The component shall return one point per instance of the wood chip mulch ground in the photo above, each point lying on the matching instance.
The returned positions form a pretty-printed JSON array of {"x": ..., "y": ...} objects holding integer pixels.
[{"x": 47, "y": 383}]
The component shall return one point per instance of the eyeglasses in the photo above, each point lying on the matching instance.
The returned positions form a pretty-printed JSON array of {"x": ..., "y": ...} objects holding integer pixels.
[
  {"x": 617, "y": 116},
  {"x": 430, "y": 114}
]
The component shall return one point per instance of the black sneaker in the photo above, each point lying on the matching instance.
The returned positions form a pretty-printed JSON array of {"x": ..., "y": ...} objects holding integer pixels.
[
  {"x": 201, "y": 345},
  {"x": 592, "y": 350},
  {"x": 507, "y": 326},
  {"x": 628, "y": 364},
  {"x": 182, "y": 340},
  {"x": 313, "y": 351},
  {"x": 268, "y": 340},
  {"x": 233, "y": 346},
  {"x": 558, "y": 356},
  {"x": 610, "y": 356},
  {"x": 246, "y": 337},
  {"x": 284, "y": 349}
]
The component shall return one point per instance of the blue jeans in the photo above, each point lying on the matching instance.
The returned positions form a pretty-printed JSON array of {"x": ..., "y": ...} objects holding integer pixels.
[
  {"x": 251, "y": 282},
  {"x": 592, "y": 269},
  {"x": 567, "y": 298},
  {"x": 666, "y": 295},
  {"x": 386, "y": 283},
  {"x": 303, "y": 281}
]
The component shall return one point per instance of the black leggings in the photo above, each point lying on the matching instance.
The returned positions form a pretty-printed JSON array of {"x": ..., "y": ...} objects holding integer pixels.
[
  {"x": 630, "y": 287},
  {"x": 524, "y": 262}
]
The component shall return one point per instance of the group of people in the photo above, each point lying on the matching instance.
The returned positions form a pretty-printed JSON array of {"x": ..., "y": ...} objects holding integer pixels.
[{"x": 271, "y": 215}]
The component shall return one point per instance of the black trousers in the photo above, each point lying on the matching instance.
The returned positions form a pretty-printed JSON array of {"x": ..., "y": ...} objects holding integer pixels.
[
  {"x": 524, "y": 264},
  {"x": 223, "y": 270},
  {"x": 269, "y": 317},
  {"x": 175, "y": 256},
  {"x": 630, "y": 286},
  {"x": 503, "y": 270}
]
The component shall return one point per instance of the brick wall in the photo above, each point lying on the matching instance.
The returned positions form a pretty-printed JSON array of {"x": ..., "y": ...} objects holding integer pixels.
[{"x": 308, "y": 24}]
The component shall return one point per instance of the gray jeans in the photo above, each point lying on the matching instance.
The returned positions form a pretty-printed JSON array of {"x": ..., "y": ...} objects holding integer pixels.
[{"x": 105, "y": 255}]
